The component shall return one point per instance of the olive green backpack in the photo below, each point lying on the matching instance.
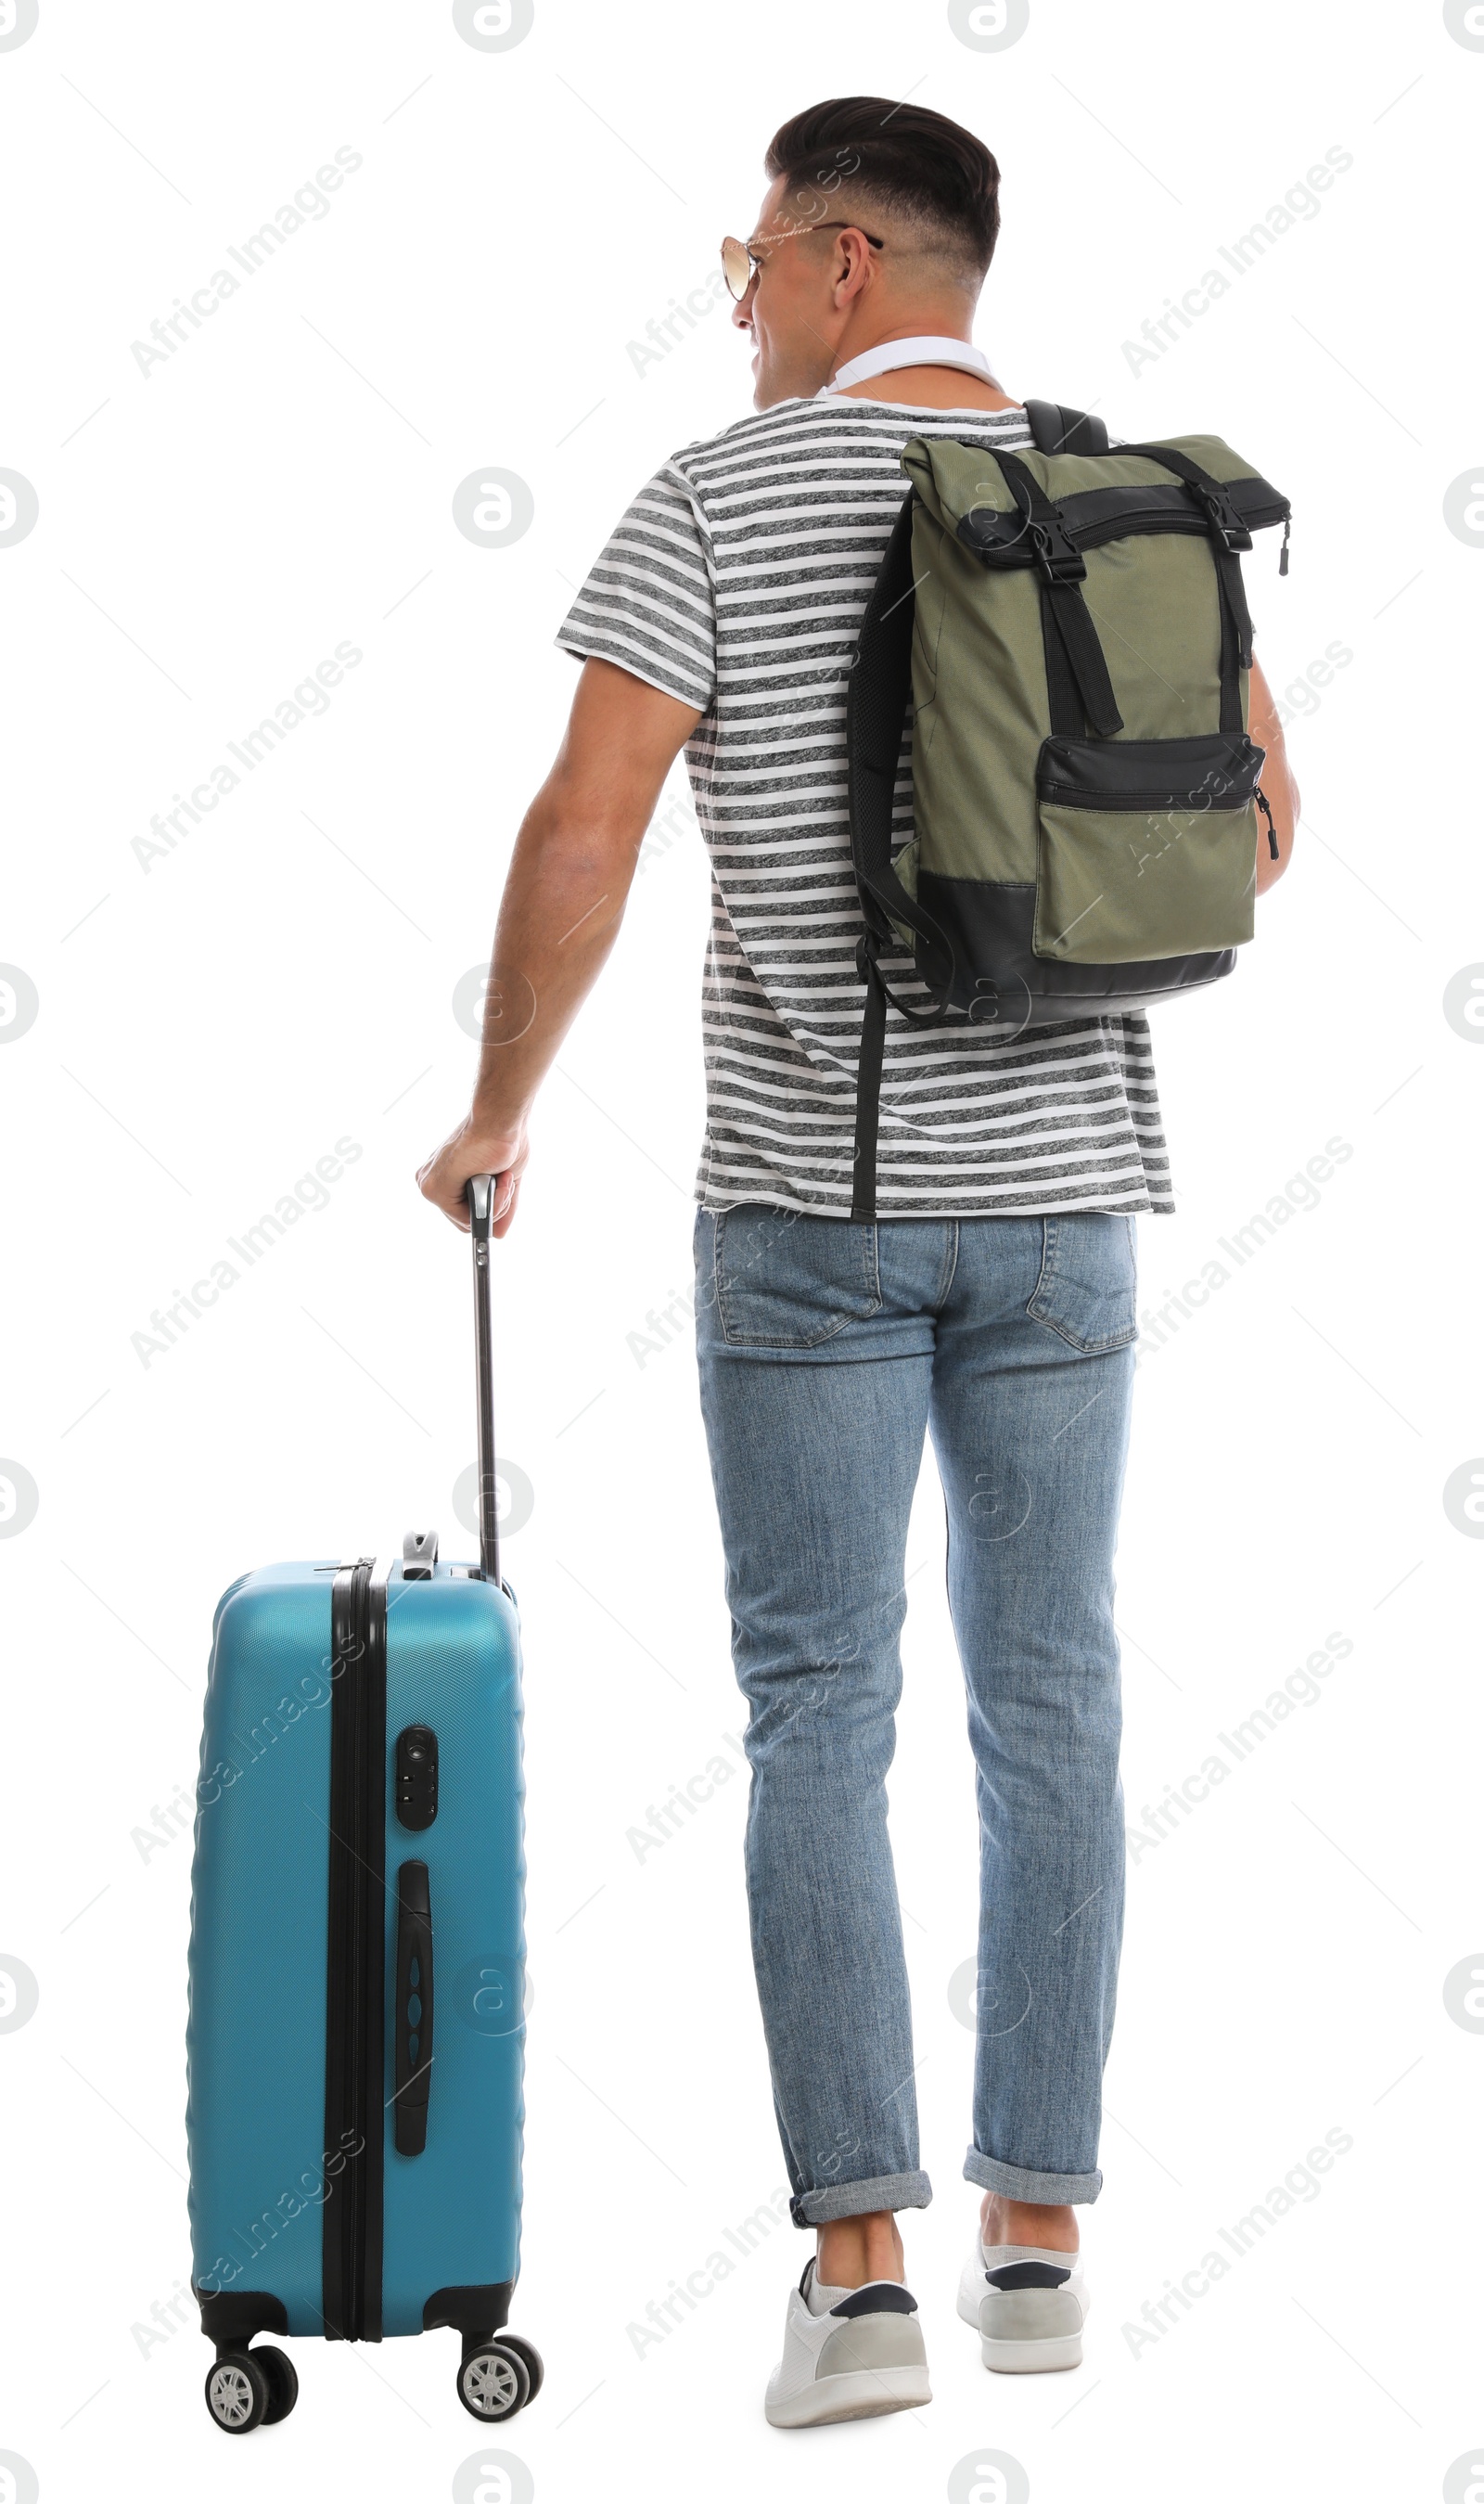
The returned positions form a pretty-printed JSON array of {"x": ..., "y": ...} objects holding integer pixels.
[{"x": 1069, "y": 628}]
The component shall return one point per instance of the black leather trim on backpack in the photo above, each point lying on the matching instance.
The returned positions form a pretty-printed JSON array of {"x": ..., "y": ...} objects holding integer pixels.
[
  {"x": 1218, "y": 768},
  {"x": 992, "y": 925},
  {"x": 1053, "y": 429}
]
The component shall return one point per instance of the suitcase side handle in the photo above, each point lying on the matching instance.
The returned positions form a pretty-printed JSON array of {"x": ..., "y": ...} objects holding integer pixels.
[
  {"x": 479, "y": 1192},
  {"x": 412, "y": 2061}
]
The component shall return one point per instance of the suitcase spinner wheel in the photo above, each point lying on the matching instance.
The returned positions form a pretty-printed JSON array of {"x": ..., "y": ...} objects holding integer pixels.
[
  {"x": 250, "y": 2387},
  {"x": 494, "y": 2381},
  {"x": 523, "y": 2348},
  {"x": 282, "y": 2382}
]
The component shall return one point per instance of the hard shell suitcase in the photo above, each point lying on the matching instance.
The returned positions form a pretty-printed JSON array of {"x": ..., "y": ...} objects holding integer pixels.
[{"x": 356, "y": 2031}]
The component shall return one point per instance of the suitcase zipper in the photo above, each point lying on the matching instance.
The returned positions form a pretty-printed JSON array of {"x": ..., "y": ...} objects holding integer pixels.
[{"x": 354, "y": 1977}]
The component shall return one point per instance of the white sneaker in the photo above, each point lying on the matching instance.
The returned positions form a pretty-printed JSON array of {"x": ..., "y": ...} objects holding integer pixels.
[
  {"x": 1027, "y": 2305},
  {"x": 859, "y": 2355}
]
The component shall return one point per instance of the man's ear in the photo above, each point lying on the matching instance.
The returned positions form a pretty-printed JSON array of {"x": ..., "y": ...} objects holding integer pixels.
[{"x": 853, "y": 256}]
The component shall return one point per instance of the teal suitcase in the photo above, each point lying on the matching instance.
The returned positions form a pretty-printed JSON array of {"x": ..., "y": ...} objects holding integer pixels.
[{"x": 356, "y": 2032}]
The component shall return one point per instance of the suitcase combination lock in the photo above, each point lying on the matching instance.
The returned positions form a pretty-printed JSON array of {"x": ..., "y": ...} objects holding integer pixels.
[{"x": 417, "y": 1777}]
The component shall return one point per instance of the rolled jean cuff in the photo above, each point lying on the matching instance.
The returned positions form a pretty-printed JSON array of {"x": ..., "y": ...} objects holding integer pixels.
[
  {"x": 860, "y": 2199},
  {"x": 1016, "y": 2182}
]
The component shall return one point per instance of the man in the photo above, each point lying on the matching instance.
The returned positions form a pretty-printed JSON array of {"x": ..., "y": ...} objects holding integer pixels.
[{"x": 993, "y": 1303}]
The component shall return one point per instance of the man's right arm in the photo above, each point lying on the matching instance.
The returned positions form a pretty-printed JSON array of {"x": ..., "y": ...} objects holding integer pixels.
[{"x": 565, "y": 893}]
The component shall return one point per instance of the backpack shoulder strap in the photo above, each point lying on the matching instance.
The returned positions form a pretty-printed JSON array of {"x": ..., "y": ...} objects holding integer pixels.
[
  {"x": 877, "y": 703},
  {"x": 1064, "y": 430},
  {"x": 877, "y": 700}
]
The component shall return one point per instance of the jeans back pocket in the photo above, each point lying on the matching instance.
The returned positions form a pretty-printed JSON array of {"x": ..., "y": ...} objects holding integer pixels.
[
  {"x": 787, "y": 1280},
  {"x": 1088, "y": 1285}
]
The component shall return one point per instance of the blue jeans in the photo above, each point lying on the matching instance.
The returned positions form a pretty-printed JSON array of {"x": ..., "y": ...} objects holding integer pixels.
[{"x": 826, "y": 1350}]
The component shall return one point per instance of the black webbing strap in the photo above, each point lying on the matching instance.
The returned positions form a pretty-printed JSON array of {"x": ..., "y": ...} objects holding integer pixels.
[
  {"x": 1236, "y": 640},
  {"x": 1077, "y": 679},
  {"x": 873, "y": 1054},
  {"x": 1078, "y": 688},
  {"x": 1228, "y": 535},
  {"x": 868, "y": 1086}
]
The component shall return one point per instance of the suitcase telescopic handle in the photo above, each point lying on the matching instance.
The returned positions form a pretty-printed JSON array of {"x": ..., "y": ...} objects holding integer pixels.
[{"x": 480, "y": 1193}]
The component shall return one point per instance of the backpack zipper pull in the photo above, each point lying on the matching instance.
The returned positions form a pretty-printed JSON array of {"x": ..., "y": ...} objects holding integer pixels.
[
  {"x": 1283, "y": 553},
  {"x": 1272, "y": 831}
]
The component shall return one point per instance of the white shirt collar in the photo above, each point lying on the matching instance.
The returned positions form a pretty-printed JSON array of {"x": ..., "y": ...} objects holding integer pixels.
[{"x": 895, "y": 353}]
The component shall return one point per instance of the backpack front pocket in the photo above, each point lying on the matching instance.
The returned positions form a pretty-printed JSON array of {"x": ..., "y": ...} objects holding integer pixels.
[{"x": 1147, "y": 848}]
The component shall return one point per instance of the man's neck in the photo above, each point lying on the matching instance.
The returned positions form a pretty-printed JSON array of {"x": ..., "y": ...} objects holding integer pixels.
[
  {"x": 930, "y": 387},
  {"x": 926, "y": 386}
]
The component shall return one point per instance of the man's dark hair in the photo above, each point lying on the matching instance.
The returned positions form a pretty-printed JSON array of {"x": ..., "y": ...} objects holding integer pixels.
[{"x": 901, "y": 157}]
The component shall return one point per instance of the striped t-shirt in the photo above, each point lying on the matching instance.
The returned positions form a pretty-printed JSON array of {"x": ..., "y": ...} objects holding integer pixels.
[{"x": 737, "y": 580}]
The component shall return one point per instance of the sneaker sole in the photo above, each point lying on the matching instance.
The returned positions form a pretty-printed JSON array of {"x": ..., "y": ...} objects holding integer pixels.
[
  {"x": 837, "y": 2396},
  {"x": 1031, "y": 2355}
]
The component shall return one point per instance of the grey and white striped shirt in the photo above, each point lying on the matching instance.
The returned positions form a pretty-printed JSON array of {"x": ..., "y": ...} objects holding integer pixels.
[{"x": 737, "y": 580}]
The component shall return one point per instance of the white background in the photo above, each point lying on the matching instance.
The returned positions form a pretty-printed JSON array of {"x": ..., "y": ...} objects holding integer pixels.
[{"x": 210, "y": 1027}]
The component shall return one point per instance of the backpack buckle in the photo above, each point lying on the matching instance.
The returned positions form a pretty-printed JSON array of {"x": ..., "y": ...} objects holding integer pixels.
[
  {"x": 990, "y": 533},
  {"x": 1058, "y": 554},
  {"x": 1221, "y": 516}
]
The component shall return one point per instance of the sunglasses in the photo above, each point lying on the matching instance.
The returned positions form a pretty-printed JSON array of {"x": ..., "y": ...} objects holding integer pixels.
[{"x": 739, "y": 264}]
